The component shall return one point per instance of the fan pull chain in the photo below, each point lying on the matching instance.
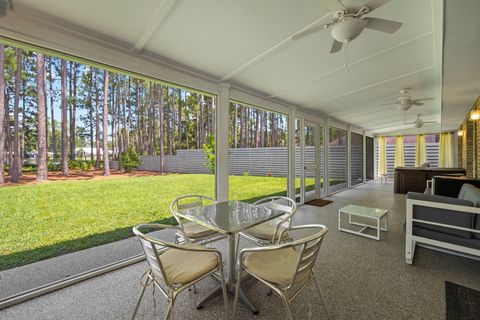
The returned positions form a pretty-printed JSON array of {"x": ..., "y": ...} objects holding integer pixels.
[{"x": 347, "y": 67}]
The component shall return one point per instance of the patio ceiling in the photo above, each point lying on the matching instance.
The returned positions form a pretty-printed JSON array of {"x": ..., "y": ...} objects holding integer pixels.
[{"x": 247, "y": 43}]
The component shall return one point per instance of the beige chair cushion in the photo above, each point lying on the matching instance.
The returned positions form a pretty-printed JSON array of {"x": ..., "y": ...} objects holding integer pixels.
[
  {"x": 194, "y": 230},
  {"x": 182, "y": 266},
  {"x": 275, "y": 266},
  {"x": 264, "y": 231}
]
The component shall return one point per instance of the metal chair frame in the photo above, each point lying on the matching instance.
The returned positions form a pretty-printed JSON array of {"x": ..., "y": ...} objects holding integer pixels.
[
  {"x": 176, "y": 206},
  {"x": 153, "y": 255},
  {"x": 308, "y": 247},
  {"x": 282, "y": 221}
]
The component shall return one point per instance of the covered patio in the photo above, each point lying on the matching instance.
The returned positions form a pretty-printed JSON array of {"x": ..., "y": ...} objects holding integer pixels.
[
  {"x": 359, "y": 276},
  {"x": 237, "y": 101}
]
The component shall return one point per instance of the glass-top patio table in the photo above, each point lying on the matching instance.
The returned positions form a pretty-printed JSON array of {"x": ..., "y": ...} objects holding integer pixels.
[{"x": 230, "y": 217}]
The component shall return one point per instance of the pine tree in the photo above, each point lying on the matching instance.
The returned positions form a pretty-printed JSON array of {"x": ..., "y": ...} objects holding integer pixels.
[{"x": 42, "y": 124}]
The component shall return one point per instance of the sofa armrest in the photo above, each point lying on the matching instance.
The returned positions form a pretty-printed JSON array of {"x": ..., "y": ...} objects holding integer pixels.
[
  {"x": 438, "y": 199},
  {"x": 441, "y": 214}
]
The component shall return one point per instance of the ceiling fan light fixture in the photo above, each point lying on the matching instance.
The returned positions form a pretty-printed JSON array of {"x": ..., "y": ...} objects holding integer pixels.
[
  {"x": 475, "y": 115},
  {"x": 348, "y": 29}
]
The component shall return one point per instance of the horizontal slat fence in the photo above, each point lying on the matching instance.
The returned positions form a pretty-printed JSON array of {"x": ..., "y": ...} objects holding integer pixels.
[
  {"x": 250, "y": 161},
  {"x": 409, "y": 149}
]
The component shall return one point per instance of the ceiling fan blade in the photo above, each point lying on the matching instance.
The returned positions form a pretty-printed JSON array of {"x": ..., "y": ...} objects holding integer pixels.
[
  {"x": 430, "y": 122},
  {"x": 333, "y": 5},
  {"x": 382, "y": 25},
  {"x": 374, "y": 4},
  {"x": 423, "y": 99},
  {"x": 416, "y": 103},
  {"x": 387, "y": 104},
  {"x": 336, "y": 46},
  {"x": 307, "y": 32}
]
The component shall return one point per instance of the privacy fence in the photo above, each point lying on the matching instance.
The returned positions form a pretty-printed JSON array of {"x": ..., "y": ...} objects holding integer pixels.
[
  {"x": 409, "y": 149},
  {"x": 253, "y": 161}
]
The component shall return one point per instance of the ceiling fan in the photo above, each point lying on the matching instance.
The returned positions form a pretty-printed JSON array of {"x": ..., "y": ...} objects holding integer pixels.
[
  {"x": 405, "y": 102},
  {"x": 418, "y": 123},
  {"x": 349, "y": 21}
]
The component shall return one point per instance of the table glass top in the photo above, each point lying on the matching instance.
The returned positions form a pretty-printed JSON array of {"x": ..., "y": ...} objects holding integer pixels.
[
  {"x": 364, "y": 211},
  {"x": 230, "y": 216}
]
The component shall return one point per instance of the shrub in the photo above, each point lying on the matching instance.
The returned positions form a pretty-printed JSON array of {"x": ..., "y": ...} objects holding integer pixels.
[
  {"x": 129, "y": 160},
  {"x": 246, "y": 173},
  {"x": 54, "y": 166},
  {"x": 83, "y": 165},
  {"x": 209, "y": 149}
]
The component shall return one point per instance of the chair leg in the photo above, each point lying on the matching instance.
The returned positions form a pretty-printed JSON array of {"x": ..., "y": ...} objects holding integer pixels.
[
  {"x": 138, "y": 303},
  {"x": 287, "y": 305},
  {"x": 237, "y": 293},
  {"x": 321, "y": 296},
  {"x": 171, "y": 301},
  {"x": 224, "y": 291}
]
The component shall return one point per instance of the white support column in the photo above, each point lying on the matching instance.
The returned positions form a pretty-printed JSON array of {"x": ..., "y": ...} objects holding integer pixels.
[
  {"x": 291, "y": 154},
  {"x": 221, "y": 150},
  {"x": 364, "y": 157},
  {"x": 326, "y": 173},
  {"x": 349, "y": 158},
  {"x": 303, "y": 190}
]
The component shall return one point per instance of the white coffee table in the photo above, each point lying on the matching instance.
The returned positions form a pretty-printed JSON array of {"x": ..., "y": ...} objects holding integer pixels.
[{"x": 370, "y": 213}]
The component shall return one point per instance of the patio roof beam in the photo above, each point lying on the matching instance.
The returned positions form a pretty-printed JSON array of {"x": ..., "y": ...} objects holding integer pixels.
[{"x": 153, "y": 24}]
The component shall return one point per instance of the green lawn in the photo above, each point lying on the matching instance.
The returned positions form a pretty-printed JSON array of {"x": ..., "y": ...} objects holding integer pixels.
[
  {"x": 46, "y": 220},
  {"x": 54, "y": 218}
]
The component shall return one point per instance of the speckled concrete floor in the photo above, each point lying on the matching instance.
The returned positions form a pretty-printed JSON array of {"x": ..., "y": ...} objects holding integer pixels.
[{"x": 361, "y": 278}]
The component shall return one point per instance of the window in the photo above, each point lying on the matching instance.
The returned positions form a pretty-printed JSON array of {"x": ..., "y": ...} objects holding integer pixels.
[
  {"x": 167, "y": 131},
  {"x": 337, "y": 164},
  {"x": 258, "y": 155},
  {"x": 356, "y": 158},
  {"x": 369, "y": 158}
]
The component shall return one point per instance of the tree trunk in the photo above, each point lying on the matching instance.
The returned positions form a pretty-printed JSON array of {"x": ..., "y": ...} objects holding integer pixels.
[
  {"x": 257, "y": 128},
  {"x": 97, "y": 123},
  {"x": 179, "y": 124},
  {"x": 8, "y": 133},
  {"x": 42, "y": 125},
  {"x": 90, "y": 111},
  {"x": 106, "y": 164},
  {"x": 52, "y": 109},
  {"x": 161, "y": 129},
  {"x": 2, "y": 114},
  {"x": 73, "y": 112},
  {"x": 16, "y": 168},
  {"x": 63, "y": 72}
]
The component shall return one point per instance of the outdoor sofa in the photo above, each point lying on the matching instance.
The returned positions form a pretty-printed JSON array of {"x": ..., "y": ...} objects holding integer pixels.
[{"x": 446, "y": 220}]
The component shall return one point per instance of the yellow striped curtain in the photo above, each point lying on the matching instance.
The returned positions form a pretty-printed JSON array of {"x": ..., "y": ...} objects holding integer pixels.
[
  {"x": 399, "y": 152},
  {"x": 445, "y": 156},
  {"x": 420, "y": 153},
  {"x": 382, "y": 156}
]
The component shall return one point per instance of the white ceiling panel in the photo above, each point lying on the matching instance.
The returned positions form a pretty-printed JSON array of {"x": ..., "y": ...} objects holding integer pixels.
[
  {"x": 218, "y": 36},
  {"x": 120, "y": 20},
  {"x": 248, "y": 43}
]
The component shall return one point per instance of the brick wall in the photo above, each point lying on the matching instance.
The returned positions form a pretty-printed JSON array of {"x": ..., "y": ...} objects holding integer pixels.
[{"x": 466, "y": 152}]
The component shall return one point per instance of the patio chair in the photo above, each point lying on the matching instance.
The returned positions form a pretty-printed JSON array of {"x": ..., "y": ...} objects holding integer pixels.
[
  {"x": 283, "y": 266},
  {"x": 268, "y": 232},
  {"x": 194, "y": 232},
  {"x": 173, "y": 268}
]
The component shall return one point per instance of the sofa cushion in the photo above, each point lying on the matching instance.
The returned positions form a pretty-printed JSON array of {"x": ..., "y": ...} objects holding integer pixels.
[
  {"x": 444, "y": 216},
  {"x": 471, "y": 193},
  {"x": 466, "y": 242}
]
